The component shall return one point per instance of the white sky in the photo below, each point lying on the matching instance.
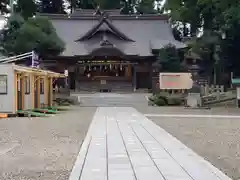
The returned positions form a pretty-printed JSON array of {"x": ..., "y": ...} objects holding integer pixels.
[{"x": 1, "y": 22}]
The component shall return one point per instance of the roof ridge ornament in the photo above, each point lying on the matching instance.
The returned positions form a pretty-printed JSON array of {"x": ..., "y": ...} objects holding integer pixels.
[
  {"x": 106, "y": 42},
  {"x": 98, "y": 11}
]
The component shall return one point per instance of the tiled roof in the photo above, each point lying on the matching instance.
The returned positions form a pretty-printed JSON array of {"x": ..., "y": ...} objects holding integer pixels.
[{"x": 147, "y": 32}]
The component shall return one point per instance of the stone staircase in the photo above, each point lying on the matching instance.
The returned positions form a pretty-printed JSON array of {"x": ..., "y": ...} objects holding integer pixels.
[{"x": 112, "y": 100}]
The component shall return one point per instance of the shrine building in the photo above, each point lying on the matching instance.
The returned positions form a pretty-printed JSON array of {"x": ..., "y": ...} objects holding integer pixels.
[{"x": 108, "y": 51}]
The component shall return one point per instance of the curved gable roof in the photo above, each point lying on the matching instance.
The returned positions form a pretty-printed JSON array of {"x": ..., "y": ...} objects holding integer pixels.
[{"x": 147, "y": 32}]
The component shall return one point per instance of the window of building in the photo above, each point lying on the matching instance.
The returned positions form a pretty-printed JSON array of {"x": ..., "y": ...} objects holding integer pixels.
[
  {"x": 3, "y": 84},
  {"x": 27, "y": 84}
]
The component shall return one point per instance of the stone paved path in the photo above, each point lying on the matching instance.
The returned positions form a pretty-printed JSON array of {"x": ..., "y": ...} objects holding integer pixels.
[{"x": 122, "y": 144}]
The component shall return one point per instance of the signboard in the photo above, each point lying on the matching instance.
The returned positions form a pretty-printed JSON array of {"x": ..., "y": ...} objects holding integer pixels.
[
  {"x": 35, "y": 60},
  {"x": 175, "y": 81}
]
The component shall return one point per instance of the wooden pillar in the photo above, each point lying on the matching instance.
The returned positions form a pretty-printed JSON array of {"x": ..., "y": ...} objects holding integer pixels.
[
  {"x": 37, "y": 97},
  {"x": 32, "y": 89},
  {"x": 50, "y": 91},
  {"x": 46, "y": 90},
  {"x": 134, "y": 78},
  {"x": 128, "y": 72},
  {"x": 16, "y": 91},
  {"x": 22, "y": 90}
]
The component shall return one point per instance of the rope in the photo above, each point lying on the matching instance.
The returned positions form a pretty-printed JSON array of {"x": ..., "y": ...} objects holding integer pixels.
[{"x": 16, "y": 58}]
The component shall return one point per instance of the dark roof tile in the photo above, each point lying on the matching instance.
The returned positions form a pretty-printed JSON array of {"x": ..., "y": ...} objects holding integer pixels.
[{"x": 147, "y": 31}]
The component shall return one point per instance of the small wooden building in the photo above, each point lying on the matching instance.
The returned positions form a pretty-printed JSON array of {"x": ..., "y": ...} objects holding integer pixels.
[{"x": 24, "y": 88}]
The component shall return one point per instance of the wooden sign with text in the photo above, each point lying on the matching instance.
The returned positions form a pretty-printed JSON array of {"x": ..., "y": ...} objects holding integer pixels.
[{"x": 175, "y": 81}]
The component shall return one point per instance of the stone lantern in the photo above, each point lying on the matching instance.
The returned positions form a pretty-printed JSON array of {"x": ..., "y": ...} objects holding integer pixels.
[{"x": 192, "y": 61}]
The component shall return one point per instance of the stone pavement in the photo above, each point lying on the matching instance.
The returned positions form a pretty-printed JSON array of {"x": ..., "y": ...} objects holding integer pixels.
[{"x": 123, "y": 144}]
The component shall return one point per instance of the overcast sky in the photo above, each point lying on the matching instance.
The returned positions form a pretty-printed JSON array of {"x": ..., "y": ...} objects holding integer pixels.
[{"x": 1, "y": 22}]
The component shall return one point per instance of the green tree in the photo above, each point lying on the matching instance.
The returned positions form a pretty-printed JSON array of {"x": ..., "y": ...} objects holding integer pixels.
[
  {"x": 3, "y": 6},
  {"x": 51, "y": 6},
  {"x": 184, "y": 12},
  {"x": 231, "y": 45},
  {"x": 127, "y": 6},
  {"x": 38, "y": 33},
  {"x": 27, "y": 8},
  {"x": 106, "y": 4},
  {"x": 9, "y": 33},
  {"x": 92, "y": 4},
  {"x": 170, "y": 59},
  {"x": 147, "y": 6},
  {"x": 83, "y": 4}
]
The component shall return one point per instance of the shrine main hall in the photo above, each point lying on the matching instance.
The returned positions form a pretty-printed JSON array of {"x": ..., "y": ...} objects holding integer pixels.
[{"x": 108, "y": 51}]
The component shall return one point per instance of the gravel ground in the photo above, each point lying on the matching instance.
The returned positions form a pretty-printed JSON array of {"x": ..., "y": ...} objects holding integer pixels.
[
  {"x": 42, "y": 148},
  {"x": 217, "y": 140},
  {"x": 182, "y": 110}
]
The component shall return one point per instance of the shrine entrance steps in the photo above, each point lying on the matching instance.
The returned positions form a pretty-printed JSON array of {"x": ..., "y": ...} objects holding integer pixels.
[{"x": 112, "y": 99}]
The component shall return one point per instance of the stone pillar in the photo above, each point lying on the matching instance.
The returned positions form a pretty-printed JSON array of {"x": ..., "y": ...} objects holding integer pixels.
[{"x": 134, "y": 78}]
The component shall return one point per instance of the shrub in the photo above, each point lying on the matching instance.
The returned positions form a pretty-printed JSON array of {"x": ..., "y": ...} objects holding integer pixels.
[
  {"x": 163, "y": 100},
  {"x": 174, "y": 101},
  {"x": 158, "y": 100}
]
